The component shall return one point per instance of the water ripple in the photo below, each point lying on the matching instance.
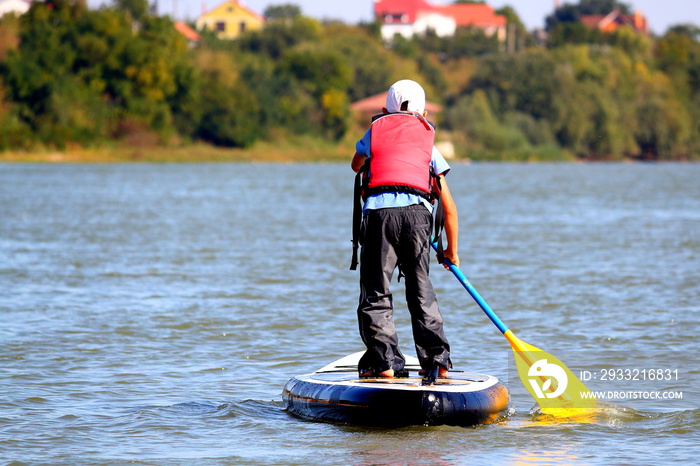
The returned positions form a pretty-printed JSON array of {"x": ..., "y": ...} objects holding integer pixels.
[{"x": 152, "y": 313}]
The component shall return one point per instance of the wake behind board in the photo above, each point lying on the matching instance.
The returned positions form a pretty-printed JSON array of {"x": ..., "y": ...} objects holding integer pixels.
[{"x": 335, "y": 393}]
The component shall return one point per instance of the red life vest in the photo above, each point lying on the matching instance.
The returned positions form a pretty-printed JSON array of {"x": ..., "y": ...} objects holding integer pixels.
[{"x": 401, "y": 146}]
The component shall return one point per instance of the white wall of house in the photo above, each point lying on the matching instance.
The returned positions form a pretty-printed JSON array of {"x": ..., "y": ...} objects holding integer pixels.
[
  {"x": 19, "y": 7},
  {"x": 444, "y": 26},
  {"x": 500, "y": 32},
  {"x": 390, "y": 30}
]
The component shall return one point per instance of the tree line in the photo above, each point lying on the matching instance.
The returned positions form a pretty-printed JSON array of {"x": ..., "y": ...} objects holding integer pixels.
[{"x": 74, "y": 76}]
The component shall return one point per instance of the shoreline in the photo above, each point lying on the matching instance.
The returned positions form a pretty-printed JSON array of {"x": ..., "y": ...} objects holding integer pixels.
[
  {"x": 196, "y": 153},
  {"x": 302, "y": 151}
]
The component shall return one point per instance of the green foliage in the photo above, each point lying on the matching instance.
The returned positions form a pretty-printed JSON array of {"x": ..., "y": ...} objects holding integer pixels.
[
  {"x": 73, "y": 114},
  {"x": 9, "y": 35},
  {"x": 228, "y": 116},
  {"x": 286, "y": 11},
  {"x": 566, "y": 32},
  {"x": 624, "y": 38},
  {"x": 466, "y": 42},
  {"x": 73, "y": 76},
  {"x": 597, "y": 102},
  {"x": 318, "y": 71},
  {"x": 308, "y": 79},
  {"x": 137, "y": 9},
  {"x": 13, "y": 132},
  {"x": 278, "y": 36},
  {"x": 678, "y": 55},
  {"x": 77, "y": 73},
  {"x": 664, "y": 125},
  {"x": 482, "y": 135},
  {"x": 227, "y": 112},
  {"x": 373, "y": 67},
  {"x": 521, "y": 83}
]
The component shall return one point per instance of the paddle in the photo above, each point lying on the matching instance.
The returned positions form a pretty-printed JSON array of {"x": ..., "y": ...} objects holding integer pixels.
[{"x": 555, "y": 388}]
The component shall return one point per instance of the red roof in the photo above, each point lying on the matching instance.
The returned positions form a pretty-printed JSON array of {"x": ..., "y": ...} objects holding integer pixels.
[
  {"x": 188, "y": 32},
  {"x": 615, "y": 18},
  {"x": 592, "y": 21},
  {"x": 473, "y": 14},
  {"x": 408, "y": 11},
  {"x": 400, "y": 11}
]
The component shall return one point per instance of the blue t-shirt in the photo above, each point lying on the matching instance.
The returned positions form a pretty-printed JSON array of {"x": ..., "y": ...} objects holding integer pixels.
[{"x": 397, "y": 199}]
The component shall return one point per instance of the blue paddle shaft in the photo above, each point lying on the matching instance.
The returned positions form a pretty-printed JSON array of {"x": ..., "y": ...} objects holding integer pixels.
[{"x": 474, "y": 294}]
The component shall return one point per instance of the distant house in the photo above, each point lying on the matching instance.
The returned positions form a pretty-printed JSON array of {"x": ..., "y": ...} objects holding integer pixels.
[
  {"x": 18, "y": 7},
  {"x": 372, "y": 105},
  {"x": 614, "y": 20},
  {"x": 230, "y": 19},
  {"x": 478, "y": 16},
  {"x": 410, "y": 17},
  {"x": 189, "y": 33}
]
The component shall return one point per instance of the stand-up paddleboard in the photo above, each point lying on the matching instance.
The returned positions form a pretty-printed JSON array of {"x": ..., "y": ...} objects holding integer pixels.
[{"x": 335, "y": 393}]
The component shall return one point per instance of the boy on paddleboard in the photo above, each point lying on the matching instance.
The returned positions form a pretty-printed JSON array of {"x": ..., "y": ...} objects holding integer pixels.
[{"x": 400, "y": 176}]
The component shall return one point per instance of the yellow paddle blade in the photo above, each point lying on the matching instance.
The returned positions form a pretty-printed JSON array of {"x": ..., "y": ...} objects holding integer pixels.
[{"x": 556, "y": 389}]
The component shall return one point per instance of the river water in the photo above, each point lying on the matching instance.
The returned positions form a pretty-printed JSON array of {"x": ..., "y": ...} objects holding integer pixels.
[{"x": 151, "y": 314}]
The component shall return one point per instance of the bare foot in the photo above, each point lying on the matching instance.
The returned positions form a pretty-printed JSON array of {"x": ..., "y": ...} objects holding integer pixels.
[{"x": 386, "y": 373}]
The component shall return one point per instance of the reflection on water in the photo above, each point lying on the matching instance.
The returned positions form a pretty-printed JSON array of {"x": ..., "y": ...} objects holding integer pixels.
[{"x": 153, "y": 313}]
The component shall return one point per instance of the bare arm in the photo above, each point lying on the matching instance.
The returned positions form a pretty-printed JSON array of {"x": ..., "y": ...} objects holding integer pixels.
[
  {"x": 451, "y": 223},
  {"x": 357, "y": 162}
]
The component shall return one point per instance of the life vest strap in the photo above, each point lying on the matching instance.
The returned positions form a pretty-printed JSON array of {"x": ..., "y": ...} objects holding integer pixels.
[
  {"x": 357, "y": 213},
  {"x": 367, "y": 191}
]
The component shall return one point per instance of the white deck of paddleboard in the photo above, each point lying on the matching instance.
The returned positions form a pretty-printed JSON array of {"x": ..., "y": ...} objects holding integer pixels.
[{"x": 344, "y": 372}]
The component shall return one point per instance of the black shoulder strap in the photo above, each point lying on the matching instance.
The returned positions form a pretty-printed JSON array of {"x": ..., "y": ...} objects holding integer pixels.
[
  {"x": 439, "y": 223},
  {"x": 357, "y": 213}
]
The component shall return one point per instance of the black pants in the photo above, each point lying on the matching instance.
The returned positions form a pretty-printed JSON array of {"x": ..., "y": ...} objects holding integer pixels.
[{"x": 398, "y": 237}]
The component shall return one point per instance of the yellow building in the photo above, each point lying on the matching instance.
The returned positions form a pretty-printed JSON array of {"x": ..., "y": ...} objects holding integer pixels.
[{"x": 230, "y": 19}]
